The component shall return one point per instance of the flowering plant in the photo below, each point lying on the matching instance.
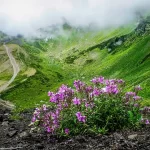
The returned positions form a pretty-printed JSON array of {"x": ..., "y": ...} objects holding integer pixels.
[{"x": 96, "y": 108}]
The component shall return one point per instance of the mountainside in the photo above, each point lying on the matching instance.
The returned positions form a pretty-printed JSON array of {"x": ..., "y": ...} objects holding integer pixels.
[{"x": 45, "y": 64}]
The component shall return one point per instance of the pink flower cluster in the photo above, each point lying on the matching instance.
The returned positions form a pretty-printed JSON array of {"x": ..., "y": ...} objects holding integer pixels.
[
  {"x": 81, "y": 99},
  {"x": 132, "y": 97},
  {"x": 79, "y": 85},
  {"x": 63, "y": 95},
  {"x": 99, "y": 80},
  {"x": 49, "y": 120}
]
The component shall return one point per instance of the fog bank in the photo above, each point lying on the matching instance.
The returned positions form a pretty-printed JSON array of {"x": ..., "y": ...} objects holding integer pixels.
[{"x": 26, "y": 16}]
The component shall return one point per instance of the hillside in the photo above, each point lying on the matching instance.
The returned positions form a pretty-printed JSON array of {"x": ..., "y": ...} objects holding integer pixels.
[{"x": 123, "y": 52}]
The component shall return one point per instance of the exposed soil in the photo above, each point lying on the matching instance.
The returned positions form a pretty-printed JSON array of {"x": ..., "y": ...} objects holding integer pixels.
[{"x": 16, "y": 135}]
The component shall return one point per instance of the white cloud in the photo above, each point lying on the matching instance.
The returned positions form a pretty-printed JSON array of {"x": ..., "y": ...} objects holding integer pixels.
[{"x": 25, "y": 16}]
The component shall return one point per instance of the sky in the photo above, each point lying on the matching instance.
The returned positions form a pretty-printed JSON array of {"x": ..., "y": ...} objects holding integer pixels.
[{"x": 26, "y": 16}]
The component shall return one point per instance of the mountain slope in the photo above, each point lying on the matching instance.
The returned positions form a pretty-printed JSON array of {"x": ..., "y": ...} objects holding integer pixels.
[{"x": 116, "y": 53}]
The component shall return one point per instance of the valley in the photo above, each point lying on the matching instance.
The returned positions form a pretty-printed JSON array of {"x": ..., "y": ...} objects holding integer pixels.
[{"x": 121, "y": 52}]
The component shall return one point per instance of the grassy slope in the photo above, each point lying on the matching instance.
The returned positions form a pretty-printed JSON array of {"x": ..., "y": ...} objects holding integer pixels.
[
  {"x": 126, "y": 64},
  {"x": 129, "y": 62}
]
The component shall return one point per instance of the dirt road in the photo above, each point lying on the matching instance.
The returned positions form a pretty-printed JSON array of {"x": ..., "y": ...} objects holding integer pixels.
[{"x": 16, "y": 69}]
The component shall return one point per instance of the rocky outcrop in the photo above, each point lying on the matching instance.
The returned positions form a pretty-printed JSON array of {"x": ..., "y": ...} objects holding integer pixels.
[{"x": 143, "y": 26}]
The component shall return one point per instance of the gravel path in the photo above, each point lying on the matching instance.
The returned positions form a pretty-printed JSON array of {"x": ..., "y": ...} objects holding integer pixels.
[{"x": 16, "y": 69}]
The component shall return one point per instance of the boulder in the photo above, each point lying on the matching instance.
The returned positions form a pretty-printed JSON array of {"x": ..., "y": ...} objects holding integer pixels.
[{"x": 132, "y": 137}]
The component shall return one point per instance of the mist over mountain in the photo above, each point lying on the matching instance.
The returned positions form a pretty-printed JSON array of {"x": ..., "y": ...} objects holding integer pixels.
[{"x": 27, "y": 16}]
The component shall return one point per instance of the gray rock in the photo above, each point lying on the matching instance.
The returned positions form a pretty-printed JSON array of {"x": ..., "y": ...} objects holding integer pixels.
[
  {"x": 6, "y": 114},
  {"x": 132, "y": 137},
  {"x": 12, "y": 133},
  {"x": 24, "y": 134},
  {"x": 118, "y": 137},
  {"x": 5, "y": 123},
  {"x": 20, "y": 145}
]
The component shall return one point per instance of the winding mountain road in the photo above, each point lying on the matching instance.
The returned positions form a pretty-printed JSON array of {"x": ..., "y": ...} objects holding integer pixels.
[{"x": 16, "y": 68}]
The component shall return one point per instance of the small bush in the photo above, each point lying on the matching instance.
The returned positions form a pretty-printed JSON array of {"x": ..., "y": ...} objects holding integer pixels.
[{"x": 97, "y": 108}]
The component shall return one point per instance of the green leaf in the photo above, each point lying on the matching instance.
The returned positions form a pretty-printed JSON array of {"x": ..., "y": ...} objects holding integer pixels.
[{"x": 131, "y": 116}]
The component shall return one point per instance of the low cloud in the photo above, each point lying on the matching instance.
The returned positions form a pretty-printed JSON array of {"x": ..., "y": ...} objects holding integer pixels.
[{"x": 26, "y": 16}]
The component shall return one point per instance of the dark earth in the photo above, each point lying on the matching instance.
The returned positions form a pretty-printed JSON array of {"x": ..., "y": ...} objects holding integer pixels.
[{"x": 16, "y": 134}]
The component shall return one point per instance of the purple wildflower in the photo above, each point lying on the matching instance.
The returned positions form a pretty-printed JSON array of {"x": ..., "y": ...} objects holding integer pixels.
[
  {"x": 130, "y": 94},
  {"x": 44, "y": 107},
  {"x": 67, "y": 131},
  {"x": 110, "y": 89},
  {"x": 76, "y": 101},
  {"x": 97, "y": 92},
  {"x": 48, "y": 129},
  {"x": 138, "y": 88},
  {"x": 98, "y": 80},
  {"x": 33, "y": 119},
  {"x": 89, "y": 105},
  {"x": 136, "y": 105},
  {"x": 83, "y": 119},
  {"x": 136, "y": 98},
  {"x": 147, "y": 121},
  {"x": 79, "y": 85},
  {"x": 80, "y": 117},
  {"x": 120, "y": 81},
  {"x": 88, "y": 89},
  {"x": 50, "y": 94}
]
